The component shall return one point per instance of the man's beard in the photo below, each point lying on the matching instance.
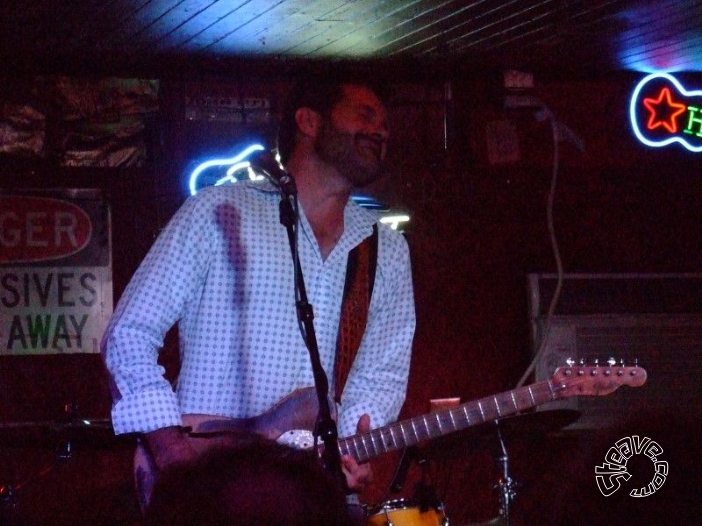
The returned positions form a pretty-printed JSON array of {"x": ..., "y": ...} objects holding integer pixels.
[{"x": 339, "y": 149}]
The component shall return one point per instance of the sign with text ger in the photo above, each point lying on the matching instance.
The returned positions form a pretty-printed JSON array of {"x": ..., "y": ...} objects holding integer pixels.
[{"x": 55, "y": 272}]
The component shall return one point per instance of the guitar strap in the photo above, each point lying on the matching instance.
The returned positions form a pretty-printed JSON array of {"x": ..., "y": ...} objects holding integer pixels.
[{"x": 358, "y": 289}]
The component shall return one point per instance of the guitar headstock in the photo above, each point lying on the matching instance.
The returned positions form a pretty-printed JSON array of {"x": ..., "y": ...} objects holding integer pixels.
[{"x": 595, "y": 380}]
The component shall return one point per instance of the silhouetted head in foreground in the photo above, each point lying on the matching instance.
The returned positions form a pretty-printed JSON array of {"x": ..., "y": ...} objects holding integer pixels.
[{"x": 258, "y": 482}]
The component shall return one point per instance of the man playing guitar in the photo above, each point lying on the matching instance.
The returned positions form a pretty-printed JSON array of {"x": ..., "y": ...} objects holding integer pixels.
[{"x": 222, "y": 270}]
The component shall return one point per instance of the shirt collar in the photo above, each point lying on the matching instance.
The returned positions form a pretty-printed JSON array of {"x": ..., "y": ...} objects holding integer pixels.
[
  {"x": 358, "y": 221},
  {"x": 263, "y": 185}
]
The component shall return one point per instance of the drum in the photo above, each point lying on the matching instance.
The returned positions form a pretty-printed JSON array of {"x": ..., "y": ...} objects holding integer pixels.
[{"x": 405, "y": 512}]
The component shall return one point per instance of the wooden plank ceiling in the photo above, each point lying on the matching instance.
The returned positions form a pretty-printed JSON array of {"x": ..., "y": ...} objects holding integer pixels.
[{"x": 162, "y": 36}]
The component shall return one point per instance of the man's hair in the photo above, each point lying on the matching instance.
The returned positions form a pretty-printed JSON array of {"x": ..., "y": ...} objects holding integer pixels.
[{"x": 319, "y": 95}]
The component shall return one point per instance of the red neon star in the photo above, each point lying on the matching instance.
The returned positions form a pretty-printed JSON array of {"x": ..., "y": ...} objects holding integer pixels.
[{"x": 667, "y": 112}]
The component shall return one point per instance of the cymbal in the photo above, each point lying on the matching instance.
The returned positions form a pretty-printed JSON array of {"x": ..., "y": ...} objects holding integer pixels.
[
  {"x": 55, "y": 433},
  {"x": 521, "y": 427}
]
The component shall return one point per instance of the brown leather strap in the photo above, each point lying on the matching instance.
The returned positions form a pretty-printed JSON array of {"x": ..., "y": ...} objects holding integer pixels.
[{"x": 360, "y": 277}]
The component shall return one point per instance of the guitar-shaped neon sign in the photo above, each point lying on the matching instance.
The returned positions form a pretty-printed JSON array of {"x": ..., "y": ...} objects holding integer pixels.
[
  {"x": 209, "y": 173},
  {"x": 230, "y": 170},
  {"x": 663, "y": 112}
]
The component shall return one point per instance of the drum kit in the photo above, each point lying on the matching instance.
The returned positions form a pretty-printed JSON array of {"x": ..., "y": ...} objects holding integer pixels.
[{"x": 426, "y": 509}]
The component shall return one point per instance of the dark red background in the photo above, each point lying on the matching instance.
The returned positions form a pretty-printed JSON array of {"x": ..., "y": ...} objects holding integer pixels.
[{"x": 477, "y": 230}]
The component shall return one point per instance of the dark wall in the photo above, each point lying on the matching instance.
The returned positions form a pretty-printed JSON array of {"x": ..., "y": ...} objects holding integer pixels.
[{"x": 478, "y": 228}]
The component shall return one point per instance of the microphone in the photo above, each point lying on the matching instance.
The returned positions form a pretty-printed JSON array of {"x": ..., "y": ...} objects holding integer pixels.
[{"x": 263, "y": 162}]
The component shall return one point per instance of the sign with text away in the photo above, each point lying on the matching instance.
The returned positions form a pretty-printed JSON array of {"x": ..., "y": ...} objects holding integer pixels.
[{"x": 55, "y": 271}]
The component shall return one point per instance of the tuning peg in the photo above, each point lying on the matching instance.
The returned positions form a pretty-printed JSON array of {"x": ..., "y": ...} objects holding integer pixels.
[
  {"x": 570, "y": 362},
  {"x": 611, "y": 361}
]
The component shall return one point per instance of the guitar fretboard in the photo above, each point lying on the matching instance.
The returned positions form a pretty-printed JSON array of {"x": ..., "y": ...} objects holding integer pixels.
[{"x": 432, "y": 425}]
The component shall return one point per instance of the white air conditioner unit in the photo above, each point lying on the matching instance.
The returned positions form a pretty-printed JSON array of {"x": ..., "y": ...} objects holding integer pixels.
[{"x": 652, "y": 319}]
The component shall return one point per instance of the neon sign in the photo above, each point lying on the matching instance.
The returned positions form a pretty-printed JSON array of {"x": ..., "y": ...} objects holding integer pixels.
[
  {"x": 663, "y": 112},
  {"x": 210, "y": 173},
  {"x": 217, "y": 172}
]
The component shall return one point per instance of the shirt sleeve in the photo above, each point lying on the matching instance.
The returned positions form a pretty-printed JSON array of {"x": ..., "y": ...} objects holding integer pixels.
[
  {"x": 377, "y": 382},
  {"x": 168, "y": 277}
]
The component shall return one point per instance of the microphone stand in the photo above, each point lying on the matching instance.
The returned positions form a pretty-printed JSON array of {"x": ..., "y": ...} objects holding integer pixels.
[
  {"x": 506, "y": 484},
  {"x": 325, "y": 427}
]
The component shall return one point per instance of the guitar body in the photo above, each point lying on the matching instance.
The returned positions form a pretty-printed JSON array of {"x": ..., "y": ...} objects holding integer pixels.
[{"x": 291, "y": 422}]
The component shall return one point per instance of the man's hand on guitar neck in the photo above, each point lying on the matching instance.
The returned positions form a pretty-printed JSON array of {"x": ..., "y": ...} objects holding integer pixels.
[
  {"x": 169, "y": 446},
  {"x": 358, "y": 476}
]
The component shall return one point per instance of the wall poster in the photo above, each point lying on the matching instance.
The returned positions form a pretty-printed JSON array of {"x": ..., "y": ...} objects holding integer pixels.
[{"x": 55, "y": 271}]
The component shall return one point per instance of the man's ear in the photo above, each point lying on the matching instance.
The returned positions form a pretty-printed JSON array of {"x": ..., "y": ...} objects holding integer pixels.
[{"x": 308, "y": 121}]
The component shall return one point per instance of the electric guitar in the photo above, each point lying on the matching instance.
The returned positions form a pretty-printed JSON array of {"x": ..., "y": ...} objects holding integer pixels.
[{"x": 292, "y": 420}]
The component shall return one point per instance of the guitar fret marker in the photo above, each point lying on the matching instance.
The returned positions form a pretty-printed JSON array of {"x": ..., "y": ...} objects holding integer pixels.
[
  {"x": 531, "y": 394},
  {"x": 550, "y": 386},
  {"x": 482, "y": 413},
  {"x": 365, "y": 447},
  {"x": 388, "y": 440},
  {"x": 414, "y": 430},
  {"x": 372, "y": 437},
  {"x": 438, "y": 422},
  {"x": 356, "y": 447},
  {"x": 497, "y": 406},
  {"x": 465, "y": 411}
]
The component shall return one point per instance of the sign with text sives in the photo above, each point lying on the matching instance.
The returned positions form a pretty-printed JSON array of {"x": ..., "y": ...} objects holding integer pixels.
[
  {"x": 55, "y": 272},
  {"x": 663, "y": 112}
]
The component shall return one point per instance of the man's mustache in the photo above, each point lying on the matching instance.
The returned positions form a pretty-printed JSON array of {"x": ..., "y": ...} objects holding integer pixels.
[{"x": 378, "y": 141}]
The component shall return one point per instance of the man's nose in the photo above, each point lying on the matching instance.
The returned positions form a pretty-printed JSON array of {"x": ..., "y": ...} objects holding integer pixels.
[{"x": 380, "y": 131}]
